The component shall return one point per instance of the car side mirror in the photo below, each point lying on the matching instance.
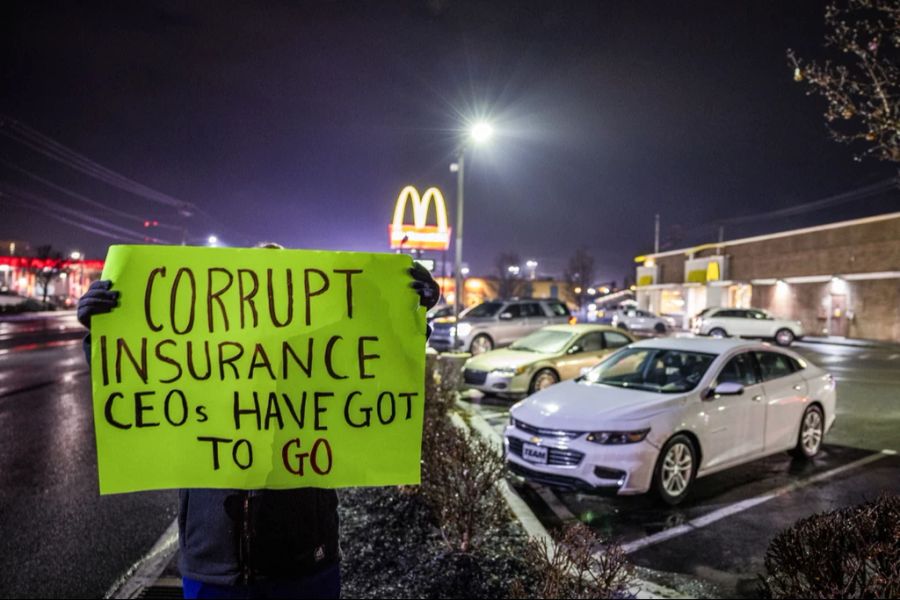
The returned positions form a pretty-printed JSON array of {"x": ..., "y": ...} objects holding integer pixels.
[
  {"x": 506, "y": 316},
  {"x": 728, "y": 388}
]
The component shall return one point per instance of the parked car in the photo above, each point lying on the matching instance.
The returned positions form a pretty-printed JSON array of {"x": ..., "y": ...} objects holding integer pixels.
[
  {"x": 748, "y": 323},
  {"x": 660, "y": 413},
  {"x": 497, "y": 323},
  {"x": 635, "y": 319},
  {"x": 438, "y": 312},
  {"x": 542, "y": 358}
]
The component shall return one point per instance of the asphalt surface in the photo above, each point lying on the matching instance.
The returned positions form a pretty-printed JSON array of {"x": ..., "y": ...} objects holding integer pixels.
[
  {"x": 720, "y": 534},
  {"x": 60, "y": 538}
]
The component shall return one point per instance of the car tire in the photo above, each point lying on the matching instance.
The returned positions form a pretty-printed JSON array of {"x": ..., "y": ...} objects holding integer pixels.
[
  {"x": 717, "y": 332},
  {"x": 659, "y": 328},
  {"x": 675, "y": 470},
  {"x": 784, "y": 337},
  {"x": 543, "y": 379},
  {"x": 812, "y": 431},
  {"x": 480, "y": 344}
]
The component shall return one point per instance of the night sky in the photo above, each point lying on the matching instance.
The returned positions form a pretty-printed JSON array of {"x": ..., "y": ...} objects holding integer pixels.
[{"x": 299, "y": 122}]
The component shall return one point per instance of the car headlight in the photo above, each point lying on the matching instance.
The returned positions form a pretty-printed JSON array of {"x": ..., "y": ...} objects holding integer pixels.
[
  {"x": 463, "y": 329},
  {"x": 510, "y": 371},
  {"x": 613, "y": 438}
]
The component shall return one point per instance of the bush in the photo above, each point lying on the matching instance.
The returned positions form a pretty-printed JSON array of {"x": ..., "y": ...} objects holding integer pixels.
[
  {"x": 459, "y": 477},
  {"x": 578, "y": 565},
  {"x": 443, "y": 378},
  {"x": 847, "y": 553}
]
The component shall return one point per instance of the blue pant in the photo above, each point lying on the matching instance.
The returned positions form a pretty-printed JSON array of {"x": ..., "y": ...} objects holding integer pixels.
[{"x": 326, "y": 584}]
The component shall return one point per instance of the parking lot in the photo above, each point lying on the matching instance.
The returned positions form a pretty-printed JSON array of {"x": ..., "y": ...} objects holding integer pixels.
[{"x": 720, "y": 534}]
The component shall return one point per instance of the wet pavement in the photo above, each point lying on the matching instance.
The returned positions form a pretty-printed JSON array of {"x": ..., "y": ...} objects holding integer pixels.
[
  {"x": 720, "y": 534},
  {"x": 60, "y": 537}
]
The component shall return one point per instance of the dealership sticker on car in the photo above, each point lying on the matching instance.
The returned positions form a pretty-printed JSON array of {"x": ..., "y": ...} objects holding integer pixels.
[{"x": 535, "y": 454}]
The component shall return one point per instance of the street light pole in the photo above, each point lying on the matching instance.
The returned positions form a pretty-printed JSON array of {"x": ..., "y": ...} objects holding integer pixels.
[{"x": 457, "y": 266}]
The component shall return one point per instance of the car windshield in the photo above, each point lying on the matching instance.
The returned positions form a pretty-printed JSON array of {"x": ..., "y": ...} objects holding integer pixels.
[
  {"x": 545, "y": 342},
  {"x": 651, "y": 369},
  {"x": 486, "y": 309}
]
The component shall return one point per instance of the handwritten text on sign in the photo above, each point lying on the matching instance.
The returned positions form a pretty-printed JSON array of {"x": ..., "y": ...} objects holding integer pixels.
[{"x": 257, "y": 368}]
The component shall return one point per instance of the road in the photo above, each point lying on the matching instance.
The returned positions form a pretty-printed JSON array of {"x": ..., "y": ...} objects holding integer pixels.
[
  {"x": 721, "y": 533},
  {"x": 60, "y": 537}
]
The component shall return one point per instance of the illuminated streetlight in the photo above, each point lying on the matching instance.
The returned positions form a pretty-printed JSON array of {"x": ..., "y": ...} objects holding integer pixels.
[
  {"x": 75, "y": 255},
  {"x": 532, "y": 266},
  {"x": 592, "y": 291},
  {"x": 479, "y": 133},
  {"x": 212, "y": 240},
  {"x": 513, "y": 269}
]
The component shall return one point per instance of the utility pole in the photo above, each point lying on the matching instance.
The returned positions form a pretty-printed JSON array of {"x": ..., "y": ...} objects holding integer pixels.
[
  {"x": 656, "y": 235},
  {"x": 457, "y": 264}
]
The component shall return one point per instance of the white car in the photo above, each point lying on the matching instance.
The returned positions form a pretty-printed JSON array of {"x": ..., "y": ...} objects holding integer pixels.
[
  {"x": 748, "y": 323},
  {"x": 660, "y": 413},
  {"x": 635, "y": 319}
]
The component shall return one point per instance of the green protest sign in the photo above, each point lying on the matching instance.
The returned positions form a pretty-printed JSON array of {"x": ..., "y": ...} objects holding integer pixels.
[{"x": 257, "y": 368}]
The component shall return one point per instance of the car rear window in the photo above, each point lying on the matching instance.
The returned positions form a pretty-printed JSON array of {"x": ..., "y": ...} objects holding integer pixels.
[
  {"x": 773, "y": 365},
  {"x": 558, "y": 309}
]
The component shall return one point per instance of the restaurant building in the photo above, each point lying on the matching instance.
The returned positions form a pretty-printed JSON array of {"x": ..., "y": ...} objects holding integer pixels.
[{"x": 840, "y": 279}]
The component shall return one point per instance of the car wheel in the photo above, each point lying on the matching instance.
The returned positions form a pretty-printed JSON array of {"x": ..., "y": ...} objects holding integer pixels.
[
  {"x": 481, "y": 344},
  {"x": 812, "y": 430},
  {"x": 675, "y": 470},
  {"x": 717, "y": 332},
  {"x": 543, "y": 379},
  {"x": 659, "y": 328},
  {"x": 784, "y": 337}
]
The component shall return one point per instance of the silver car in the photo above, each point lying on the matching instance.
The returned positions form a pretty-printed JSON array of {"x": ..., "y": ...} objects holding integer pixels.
[{"x": 497, "y": 323}]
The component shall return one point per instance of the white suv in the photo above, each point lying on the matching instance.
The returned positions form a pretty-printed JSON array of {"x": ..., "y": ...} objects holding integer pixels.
[{"x": 748, "y": 323}]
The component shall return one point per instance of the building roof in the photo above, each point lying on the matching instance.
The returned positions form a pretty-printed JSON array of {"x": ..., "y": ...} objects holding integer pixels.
[{"x": 770, "y": 236}]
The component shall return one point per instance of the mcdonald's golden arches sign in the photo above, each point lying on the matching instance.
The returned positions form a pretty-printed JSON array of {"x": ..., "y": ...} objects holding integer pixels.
[{"x": 420, "y": 235}]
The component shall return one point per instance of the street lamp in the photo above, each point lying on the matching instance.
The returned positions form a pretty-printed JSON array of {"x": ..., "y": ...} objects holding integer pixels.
[
  {"x": 212, "y": 240},
  {"x": 532, "y": 266},
  {"x": 479, "y": 133}
]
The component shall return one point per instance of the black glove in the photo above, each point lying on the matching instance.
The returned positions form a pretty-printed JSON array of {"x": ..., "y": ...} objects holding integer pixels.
[
  {"x": 425, "y": 285},
  {"x": 97, "y": 300}
]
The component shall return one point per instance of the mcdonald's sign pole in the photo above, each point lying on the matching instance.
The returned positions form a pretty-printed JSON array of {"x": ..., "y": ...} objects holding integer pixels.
[{"x": 457, "y": 265}]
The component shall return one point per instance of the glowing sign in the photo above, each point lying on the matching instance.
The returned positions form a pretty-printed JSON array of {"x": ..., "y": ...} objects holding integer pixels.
[{"x": 419, "y": 235}]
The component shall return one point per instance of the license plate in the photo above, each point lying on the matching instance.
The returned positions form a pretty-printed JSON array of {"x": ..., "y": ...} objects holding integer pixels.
[{"x": 534, "y": 454}]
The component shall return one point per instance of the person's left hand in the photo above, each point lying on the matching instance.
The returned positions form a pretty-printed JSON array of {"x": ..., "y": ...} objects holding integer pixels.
[{"x": 425, "y": 285}]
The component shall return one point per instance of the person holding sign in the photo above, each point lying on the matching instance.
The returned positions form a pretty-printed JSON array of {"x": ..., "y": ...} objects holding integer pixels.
[{"x": 238, "y": 543}]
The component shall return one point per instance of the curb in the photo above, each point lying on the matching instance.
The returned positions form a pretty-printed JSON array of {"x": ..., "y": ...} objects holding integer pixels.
[
  {"x": 529, "y": 521},
  {"x": 147, "y": 570}
]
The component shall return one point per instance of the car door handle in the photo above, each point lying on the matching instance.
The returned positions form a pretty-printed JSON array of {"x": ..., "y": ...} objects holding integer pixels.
[{"x": 757, "y": 398}]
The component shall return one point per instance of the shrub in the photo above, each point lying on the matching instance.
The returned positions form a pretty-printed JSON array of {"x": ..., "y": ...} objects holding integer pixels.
[
  {"x": 847, "y": 553},
  {"x": 443, "y": 377},
  {"x": 578, "y": 565},
  {"x": 459, "y": 477}
]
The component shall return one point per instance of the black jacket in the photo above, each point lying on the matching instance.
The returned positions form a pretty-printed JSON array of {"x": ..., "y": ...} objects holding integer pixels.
[{"x": 237, "y": 536}]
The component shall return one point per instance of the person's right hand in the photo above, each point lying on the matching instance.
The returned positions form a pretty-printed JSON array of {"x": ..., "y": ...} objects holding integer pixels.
[{"x": 97, "y": 300}]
